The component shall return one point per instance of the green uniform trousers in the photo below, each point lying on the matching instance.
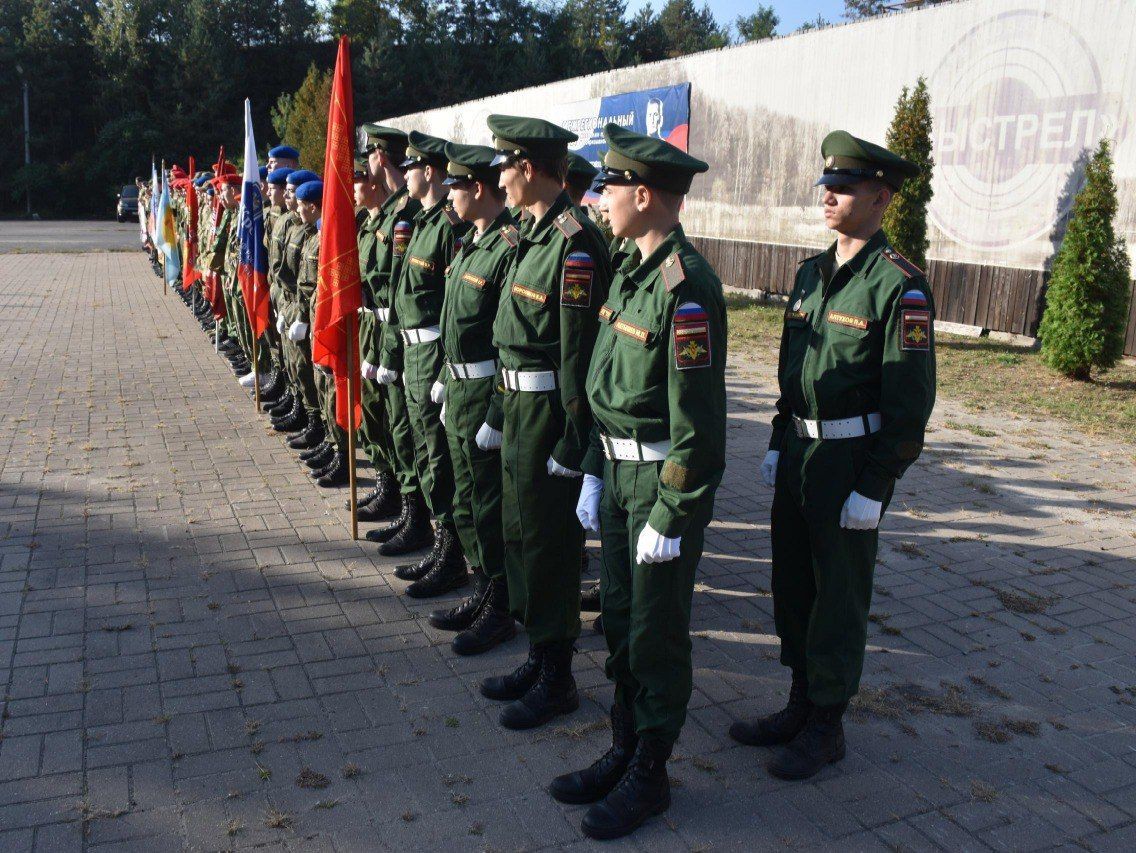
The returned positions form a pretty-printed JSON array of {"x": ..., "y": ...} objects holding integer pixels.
[
  {"x": 822, "y": 573},
  {"x": 646, "y": 607},
  {"x": 235, "y": 309},
  {"x": 401, "y": 438},
  {"x": 325, "y": 388},
  {"x": 477, "y": 475},
  {"x": 421, "y": 364},
  {"x": 543, "y": 537},
  {"x": 299, "y": 357},
  {"x": 373, "y": 434}
]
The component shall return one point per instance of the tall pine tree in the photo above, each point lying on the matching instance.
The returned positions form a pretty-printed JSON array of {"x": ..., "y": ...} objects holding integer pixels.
[
  {"x": 1086, "y": 305},
  {"x": 909, "y": 136}
]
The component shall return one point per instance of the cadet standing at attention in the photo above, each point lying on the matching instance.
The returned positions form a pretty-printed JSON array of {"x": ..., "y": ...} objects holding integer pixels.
[
  {"x": 283, "y": 217},
  {"x": 412, "y": 328},
  {"x": 545, "y": 329},
  {"x": 857, "y": 380},
  {"x": 386, "y": 425},
  {"x": 473, "y": 288},
  {"x": 657, "y": 390}
]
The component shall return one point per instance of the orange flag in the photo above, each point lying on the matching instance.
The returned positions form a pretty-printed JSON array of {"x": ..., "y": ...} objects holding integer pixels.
[
  {"x": 190, "y": 273},
  {"x": 339, "y": 293}
]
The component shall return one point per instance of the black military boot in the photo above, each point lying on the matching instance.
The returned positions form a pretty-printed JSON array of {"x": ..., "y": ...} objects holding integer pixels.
[
  {"x": 414, "y": 533},
  {"x": 294, "y": 420},
  {"x": 493, "y": 626},
  {"x": 507, "y": 688},
  {"x": 310, "y": 437},
  {"x": 780, "y": 727},
  {"x": 414, "y": 571},
  {"x": 281, "y": 407},
  {"x": 381, "y": 503},
  {"x": 338, "y": 473},
  {"x": 821, "y": 742},
  {"x": 384, "y": 534},
  {"x": 332, "y": 461},
  {"x": 643, "y": 792},
  {"x": 590, "y": 599},
  {"x": 597, "y": 781},
  {"x": 461, "y": 615},
  {"x": 553, "y": 694},
  {"x": 312, "y": 454},
  {"x": 448, "y": 572}
]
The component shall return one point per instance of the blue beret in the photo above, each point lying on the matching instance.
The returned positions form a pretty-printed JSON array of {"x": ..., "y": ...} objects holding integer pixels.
[
  {"x": 263, "y": 172},
  {"x": 302, "y": 176},
  {"x": 279, "y": 176},
  {"x": 200, "y": 180},
  {"x": 311, "y": 191},
  {"x": 284, "y": 151}
]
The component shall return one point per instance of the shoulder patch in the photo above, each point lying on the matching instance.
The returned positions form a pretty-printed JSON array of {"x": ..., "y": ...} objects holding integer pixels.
[
  {"x": 691, "y": 336},
  {"x": 915, "y": 330},
  {"x": 567, "y": 225},
  {"x": 402, "y": 232},
  {"x": 511, "y": 235},
  {"x": 576, "y": 284},
  {"x": 914, "y": 298},
  {"x": 905, "y": 266},
  {"x": 673, "y": 273}
]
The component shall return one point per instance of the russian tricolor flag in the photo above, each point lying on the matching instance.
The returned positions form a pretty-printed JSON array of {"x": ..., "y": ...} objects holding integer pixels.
[{"x": 252, "y": 271}]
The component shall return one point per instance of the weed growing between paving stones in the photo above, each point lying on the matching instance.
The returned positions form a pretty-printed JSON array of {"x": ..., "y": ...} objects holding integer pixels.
[
  {"x": 899, "y": 700},
  {"x": 275, "y": 819},
  {"x": 982, "y": 792},
  {"x": 309, "y": 778},
  {"x": 350, "y": 770}
]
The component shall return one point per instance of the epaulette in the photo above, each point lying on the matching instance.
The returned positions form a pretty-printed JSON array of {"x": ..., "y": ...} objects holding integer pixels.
[
  {"x": 567, "y": 224},
  {"x": 809, "y": 258},
  {"x": 511, "y": 234},
  {"x": 401, "y": 203},
  {"x": 905, "y": 266},
  {"x": 452, "y": 216},
  {"x": 673, "y": 273}
]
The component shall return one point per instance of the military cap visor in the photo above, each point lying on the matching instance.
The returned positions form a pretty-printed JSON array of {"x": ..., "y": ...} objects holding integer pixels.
[
  {"x": 850, "y": 160},
  {"x": 466, "y": 163},
  {"x": 284, "y": 152},
  {"x": 390, "y": 140},
  {"x": 635, "y": 158},
  {"x": 424, "y": 150},
  {"x": 519, "y": 136}
]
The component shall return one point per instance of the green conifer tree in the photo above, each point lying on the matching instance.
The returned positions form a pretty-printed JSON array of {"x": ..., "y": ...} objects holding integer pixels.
[
  {"x": 909, "y": 136},
  {"x": 1086, "y": 305}
]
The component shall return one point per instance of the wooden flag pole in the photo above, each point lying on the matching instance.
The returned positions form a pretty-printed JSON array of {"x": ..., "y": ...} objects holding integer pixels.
[{"x": 352, "y": 377}]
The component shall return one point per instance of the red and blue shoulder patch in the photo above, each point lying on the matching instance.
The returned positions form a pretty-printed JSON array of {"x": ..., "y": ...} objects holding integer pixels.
[
  {"x": 402, "y": 232},
  {"x": 914, "y": 298},
  {"x": 691, "y": 336},
  {"x": 576, "y": 287}
]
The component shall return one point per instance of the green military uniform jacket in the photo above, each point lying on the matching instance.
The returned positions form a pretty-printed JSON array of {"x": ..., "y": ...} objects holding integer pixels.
[
  {"x": 659, "y": 374},
  {"x": 220, "y": 245},
  {"x": 556, "y": 282},
  {"x": 382, "y": 247},
  {"x": 473, "y": 289},
  {"x": 288, "y": 271},
  {"x": 417, "y": 295},
  {"x": 858, "y": 342},
  {"x": 307, "y": 274}
]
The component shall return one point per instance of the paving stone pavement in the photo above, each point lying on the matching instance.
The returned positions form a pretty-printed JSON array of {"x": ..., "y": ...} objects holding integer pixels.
[{"x": 186, "y": 626}]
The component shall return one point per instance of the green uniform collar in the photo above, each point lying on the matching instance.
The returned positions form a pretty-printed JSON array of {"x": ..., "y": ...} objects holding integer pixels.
[
  {"x": 430, "y": 212},
  {"x": 650, "y": 265},
  {"x": 861, "y": 262},
  {"x": 539, "y": 232},
  {"x": 492, "y": 233},
  {"x": 394, "y": 200}
]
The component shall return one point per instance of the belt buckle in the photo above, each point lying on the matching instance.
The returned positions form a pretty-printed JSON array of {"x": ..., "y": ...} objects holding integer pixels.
[{"x": 799, "y": 426}]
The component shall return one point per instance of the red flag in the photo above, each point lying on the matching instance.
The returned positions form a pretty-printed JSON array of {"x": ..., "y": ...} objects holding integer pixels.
[
  {"x": 190, "y": 274},
  {"x": 339, "y": 294}
]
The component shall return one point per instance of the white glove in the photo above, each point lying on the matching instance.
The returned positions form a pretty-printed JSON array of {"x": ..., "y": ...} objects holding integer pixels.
[
  {"x": 281, "y": 323},
  {"x": 442, "y": 415},
  {"x": 369, "y": 371},
  {"x": 437, "y": 393},
  {"x": 385, "y": 376},
  {"x": 588, "y": 506},
  {"x": 488, "y": 438},
  {"x": 769, "y": 467},
  {"x": 860, "y": 513},
  {"x": 555, "y": 469},
  {"x": 653, "y": 547},
  {"x": 297, "y": 331}
]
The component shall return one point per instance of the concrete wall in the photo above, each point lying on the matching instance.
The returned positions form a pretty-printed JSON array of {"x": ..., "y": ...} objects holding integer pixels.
[{"x": 1020, "y": 90}]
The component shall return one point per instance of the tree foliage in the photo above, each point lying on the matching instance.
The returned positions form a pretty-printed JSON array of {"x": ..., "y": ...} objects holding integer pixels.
[
  {"x": 909, "y": 136},
  {"x": 762, "y": 24},
  {"x": 1086, "y": 305},
  {"x": 301, "y": 118},
  {"x": 854, "y": 10}
]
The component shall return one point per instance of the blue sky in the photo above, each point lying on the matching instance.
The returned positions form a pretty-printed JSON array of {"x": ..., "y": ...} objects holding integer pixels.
[{"x": 792, "y": 13}]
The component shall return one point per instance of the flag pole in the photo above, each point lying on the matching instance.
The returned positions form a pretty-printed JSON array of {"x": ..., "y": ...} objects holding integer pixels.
[
  {"x": 352, "y": 376},
  {"x": 157, "y": 225}
]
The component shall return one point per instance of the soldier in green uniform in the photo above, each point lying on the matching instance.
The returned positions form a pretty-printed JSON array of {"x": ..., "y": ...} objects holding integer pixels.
[
  {"x": 385, "y": 432},
  {"x": 473, "y": 287},
  {"x": 220, "y": 261},
  {"x": 657, "y": 389},
  {"x": 280, "y": 215},
  {"x": 581, "y": 174},
  {"x": 282, "y": 271},
  {"x": 544, "y": 332},
  {"x": 386, "y": 152},
  {"x": 857, "y": 381},
  {"x": 283, "y": 157},
  {"x": 413, "y": 329},
  {"x": 274, "y": 208}
]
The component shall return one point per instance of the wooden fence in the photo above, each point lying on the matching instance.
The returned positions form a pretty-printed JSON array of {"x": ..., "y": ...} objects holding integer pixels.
[{"x": 1003, "y": 299}]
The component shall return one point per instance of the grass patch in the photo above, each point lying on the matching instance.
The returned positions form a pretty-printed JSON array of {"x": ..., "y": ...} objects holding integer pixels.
[
  {"x": 981, "y": 374},
  {"x": 309, "y": 778},
  {"x": 1024, "y": 602},
  {"x": 982, "y": 792}
]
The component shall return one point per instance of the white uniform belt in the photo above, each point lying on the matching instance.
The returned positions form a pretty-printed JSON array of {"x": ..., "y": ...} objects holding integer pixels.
[
  {"x": 529, "y": 380},
  {"x": 629, "y": 450},
  {"x": 843, "y": 428},
  {"x": 425, "y": 335},
  {"x": 473, "y": 369},
  {"x": 381, "y": 314}
]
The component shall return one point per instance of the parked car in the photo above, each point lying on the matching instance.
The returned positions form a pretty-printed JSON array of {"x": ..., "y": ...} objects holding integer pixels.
[{"x": 127, "y": 203}]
